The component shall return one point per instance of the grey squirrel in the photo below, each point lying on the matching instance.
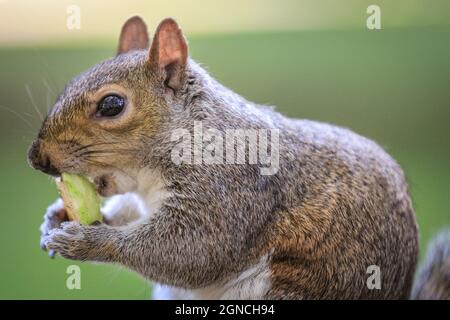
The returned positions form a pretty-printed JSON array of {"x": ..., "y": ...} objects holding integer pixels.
[{"x": 335, "y": 204}]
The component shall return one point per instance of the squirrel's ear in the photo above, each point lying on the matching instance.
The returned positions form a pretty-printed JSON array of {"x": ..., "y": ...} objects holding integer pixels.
[
  {"x": 134, "y": 35},
  {"x": 169, "y": 52}
]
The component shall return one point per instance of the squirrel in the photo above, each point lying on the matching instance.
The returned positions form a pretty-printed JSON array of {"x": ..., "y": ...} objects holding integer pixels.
[{"x": 333, "y": 205}]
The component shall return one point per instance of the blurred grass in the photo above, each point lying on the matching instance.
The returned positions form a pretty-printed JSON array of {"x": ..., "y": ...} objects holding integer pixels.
[{"x": 390, "y": 85}]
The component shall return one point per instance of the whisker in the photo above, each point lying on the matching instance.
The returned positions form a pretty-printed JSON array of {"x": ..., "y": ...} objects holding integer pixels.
[
  {"x": 27, "y": 114},
  {"x": 19, "y": 115},
  {"x": 49, "y": 92},
  {"x": 47, "y": 100},
  {"x": 92, "y": 145},
  {"x": 103, "y": 152},
  {"x": 47, "y": 85},
  {"x": 98, "y": 163},
  {"x": 27, "y": 88}
]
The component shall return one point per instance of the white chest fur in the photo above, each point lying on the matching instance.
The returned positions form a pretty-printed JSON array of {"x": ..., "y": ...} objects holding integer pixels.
[
  {"x": 138, "y": 204},
  {"x": 252, "y": 283},
  {"x": 151, "y": 191}
]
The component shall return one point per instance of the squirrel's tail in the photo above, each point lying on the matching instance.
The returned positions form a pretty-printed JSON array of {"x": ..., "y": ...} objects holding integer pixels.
[{"x": 433, "y": 278}]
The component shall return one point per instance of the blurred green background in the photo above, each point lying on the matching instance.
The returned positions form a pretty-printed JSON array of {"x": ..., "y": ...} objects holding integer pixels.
[{"x": 312, "y": 59}]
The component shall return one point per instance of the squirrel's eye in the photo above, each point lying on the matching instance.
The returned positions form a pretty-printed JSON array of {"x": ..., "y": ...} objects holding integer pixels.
[{"x": 110, "y": 106}]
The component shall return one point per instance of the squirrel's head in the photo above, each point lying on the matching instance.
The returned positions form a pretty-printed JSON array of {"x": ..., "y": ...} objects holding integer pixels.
[{"x": 100, "y": 123}]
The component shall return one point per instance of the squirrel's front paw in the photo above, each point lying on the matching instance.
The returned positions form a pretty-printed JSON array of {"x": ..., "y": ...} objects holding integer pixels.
[
  {"x": 54, "y": 216},
  {"x": 84, "y": 243}
]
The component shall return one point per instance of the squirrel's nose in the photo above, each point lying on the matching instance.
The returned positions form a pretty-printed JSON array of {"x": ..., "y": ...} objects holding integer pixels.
[{"x": 40, "y": 161}]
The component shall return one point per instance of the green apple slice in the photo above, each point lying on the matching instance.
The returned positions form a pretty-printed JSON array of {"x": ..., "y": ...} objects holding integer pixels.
[{"x": 80, "y": 197}]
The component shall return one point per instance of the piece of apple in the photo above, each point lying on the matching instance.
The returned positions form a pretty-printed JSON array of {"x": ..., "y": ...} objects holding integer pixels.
[{"x": 80, "y": 197}]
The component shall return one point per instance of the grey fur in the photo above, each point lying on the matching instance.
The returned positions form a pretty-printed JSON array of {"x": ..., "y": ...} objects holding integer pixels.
[
  {"x": 337, "y": 205},
  {"x": 433, "y": 278}
]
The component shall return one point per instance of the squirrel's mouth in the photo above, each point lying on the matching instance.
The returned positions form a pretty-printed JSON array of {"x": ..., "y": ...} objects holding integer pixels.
[
  {"x": 110, "y": 183},
  {"x": 102, "y": 183},
  {"x": 105, "y": 185}
]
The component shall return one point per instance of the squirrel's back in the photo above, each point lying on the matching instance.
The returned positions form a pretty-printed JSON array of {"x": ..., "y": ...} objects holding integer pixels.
[
  {"x": 337, "y": 207},
  {"x": 351, "y": 214}
]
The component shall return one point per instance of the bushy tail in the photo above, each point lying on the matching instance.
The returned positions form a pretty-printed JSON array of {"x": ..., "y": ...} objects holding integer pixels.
[{"x": 433, "y": 278}]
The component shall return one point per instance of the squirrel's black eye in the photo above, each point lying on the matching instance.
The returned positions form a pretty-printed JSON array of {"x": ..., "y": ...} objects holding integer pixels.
[{"x": 110, "y": 106}]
